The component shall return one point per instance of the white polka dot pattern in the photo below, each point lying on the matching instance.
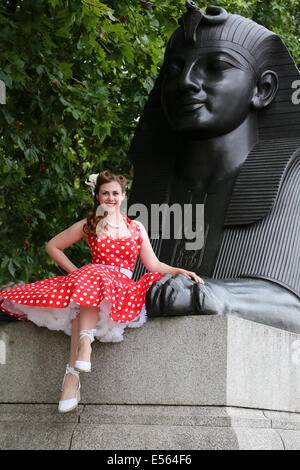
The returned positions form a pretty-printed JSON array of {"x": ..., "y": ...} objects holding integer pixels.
[{"x": 93, "y": 283}]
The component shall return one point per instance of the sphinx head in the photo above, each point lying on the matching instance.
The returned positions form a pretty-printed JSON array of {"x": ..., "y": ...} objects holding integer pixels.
[
  {"x": 219, "y": 68},
  {"x": 216, "y": 72}
]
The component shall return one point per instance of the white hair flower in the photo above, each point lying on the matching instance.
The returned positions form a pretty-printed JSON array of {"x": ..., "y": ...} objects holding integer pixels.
[{"x": 92, "y": 181}]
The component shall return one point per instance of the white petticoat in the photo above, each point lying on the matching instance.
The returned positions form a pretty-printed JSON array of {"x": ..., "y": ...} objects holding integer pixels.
[{"x": 60, "y": 319}]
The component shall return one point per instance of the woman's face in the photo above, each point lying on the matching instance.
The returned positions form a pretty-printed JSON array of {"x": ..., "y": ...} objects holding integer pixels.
[{"x": 110, "y": 197}]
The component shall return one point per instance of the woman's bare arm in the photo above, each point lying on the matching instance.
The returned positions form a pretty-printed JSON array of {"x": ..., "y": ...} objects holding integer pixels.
[
  {"x": 63, "y": 240},
  {"x": 152, "y": 263}
]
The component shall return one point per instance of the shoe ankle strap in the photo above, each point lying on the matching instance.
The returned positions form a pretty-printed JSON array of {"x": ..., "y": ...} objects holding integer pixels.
[
  {"x": 89, "y": 333},
  {"x": 70, "y": 370}
]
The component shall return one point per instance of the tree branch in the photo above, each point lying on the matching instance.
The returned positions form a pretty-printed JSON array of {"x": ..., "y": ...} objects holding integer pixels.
[{"x": 135, "y": 22}]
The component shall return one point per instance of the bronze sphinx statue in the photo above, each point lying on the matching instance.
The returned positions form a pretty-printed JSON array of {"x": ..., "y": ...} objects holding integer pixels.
[{"x": 220, "y": 129}]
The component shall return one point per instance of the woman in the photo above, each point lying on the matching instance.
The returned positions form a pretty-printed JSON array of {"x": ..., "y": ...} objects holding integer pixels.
[{"x": 97, "y": 300}]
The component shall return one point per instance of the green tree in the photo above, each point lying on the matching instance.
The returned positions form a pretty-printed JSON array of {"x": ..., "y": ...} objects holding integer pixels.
[{"x": 78, "y": 74}]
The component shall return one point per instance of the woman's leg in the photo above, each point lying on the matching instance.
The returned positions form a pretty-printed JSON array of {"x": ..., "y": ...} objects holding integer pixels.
[
  {"x": 85, "y": 320},
  {"x": 89, "y": 316},
  {"x": 74, "y": 341},
  {"x": 71, "y": 382}
]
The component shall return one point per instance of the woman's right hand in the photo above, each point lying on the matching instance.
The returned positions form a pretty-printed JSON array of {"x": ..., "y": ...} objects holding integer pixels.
[{"x": 189, "y": 274}]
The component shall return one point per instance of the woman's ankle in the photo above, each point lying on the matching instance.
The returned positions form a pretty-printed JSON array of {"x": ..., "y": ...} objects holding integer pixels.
[
  {"x": 70, "y": 387},
  {"x": 84, "y": 349}
]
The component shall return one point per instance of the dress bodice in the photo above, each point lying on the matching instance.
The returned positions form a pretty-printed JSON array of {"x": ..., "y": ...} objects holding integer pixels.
[{"x": 122, "y": 251}]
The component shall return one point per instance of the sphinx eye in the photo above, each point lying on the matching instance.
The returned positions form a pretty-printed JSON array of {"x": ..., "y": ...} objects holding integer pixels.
[
  {"x": 218, "y": 65},
  {"x": 173, "y": 68}
]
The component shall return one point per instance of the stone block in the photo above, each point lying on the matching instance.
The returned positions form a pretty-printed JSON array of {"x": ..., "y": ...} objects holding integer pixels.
[
  {"x": 177, "y": 383},
  {"x": 196, "y": 360},
  {"x": 145, "y": 427},
  {"x": 36, "y": 427}
]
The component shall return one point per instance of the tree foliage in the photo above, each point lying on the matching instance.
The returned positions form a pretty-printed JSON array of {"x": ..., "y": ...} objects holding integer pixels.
[{"x": 77, "y": 75}]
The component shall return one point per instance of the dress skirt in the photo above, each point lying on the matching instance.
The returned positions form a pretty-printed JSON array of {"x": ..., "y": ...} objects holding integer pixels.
[{"x": 55, "y": 302}]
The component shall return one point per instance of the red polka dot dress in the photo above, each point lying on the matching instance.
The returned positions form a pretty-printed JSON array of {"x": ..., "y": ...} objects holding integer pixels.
[{"x": 105, "y": 283}]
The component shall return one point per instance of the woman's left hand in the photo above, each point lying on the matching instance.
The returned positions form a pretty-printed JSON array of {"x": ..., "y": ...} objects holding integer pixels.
[{"x": 190, "y": 275}]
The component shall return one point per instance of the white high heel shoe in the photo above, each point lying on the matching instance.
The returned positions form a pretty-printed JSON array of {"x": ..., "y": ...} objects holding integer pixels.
[
  {"x": 85, "y": 366},
  {"x": 68, "y": 405}
]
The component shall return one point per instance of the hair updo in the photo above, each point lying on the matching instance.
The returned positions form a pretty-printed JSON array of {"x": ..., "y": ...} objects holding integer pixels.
[{"x": 92, "y": 219}]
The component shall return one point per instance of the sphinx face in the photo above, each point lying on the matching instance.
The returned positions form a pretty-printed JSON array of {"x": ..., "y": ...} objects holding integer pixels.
[{"x": 206, "y": 92}]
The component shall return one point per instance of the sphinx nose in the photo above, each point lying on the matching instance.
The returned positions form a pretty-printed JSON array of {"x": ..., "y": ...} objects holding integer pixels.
[{"x": 190, "y": 79}]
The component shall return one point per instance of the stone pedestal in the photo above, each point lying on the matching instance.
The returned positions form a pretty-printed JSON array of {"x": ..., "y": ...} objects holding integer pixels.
[{"x": 198, "y": 382}]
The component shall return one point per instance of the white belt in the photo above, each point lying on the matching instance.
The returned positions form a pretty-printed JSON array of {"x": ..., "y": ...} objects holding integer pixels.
[{"x": 122, "y": 270}]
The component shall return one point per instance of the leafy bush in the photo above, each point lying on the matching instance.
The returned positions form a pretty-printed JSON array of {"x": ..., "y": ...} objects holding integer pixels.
[{"x": 78, "y": 74}]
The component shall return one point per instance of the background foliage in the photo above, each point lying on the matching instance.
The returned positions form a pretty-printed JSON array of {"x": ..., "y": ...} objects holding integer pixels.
[{"x": 77, "y": 75}]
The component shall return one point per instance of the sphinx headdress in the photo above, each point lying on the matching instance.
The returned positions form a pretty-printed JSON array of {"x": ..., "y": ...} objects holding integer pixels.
[{"x": 155, "y": 146}]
